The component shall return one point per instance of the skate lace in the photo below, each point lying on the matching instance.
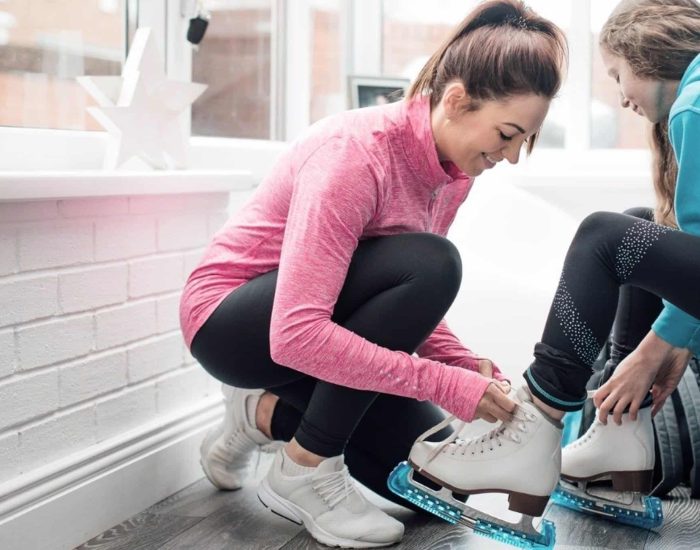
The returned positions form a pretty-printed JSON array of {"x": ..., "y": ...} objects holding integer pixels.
[
  {"x": 585, "y": 438},
  {"x": 492, "y": 439},
  {"x": 334, "y": 487}
]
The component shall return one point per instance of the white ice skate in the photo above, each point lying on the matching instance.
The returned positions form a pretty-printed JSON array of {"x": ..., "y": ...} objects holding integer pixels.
[
  {"x": 624, "y": 457},
  {"x": 521, "y": 458}
]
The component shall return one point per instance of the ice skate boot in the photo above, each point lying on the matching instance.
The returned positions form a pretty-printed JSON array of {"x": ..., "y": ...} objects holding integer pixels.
[
  {"x": 227, "y": 448},
  {"x": 622, "y": 455},
  {"x": 521, "y": 458}
]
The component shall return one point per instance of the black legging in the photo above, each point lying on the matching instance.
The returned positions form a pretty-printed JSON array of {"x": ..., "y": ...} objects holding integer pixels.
[
  {"x": 637, "y": 310},
  {"x": 396, "y": 291},
  {"x": 609, "y": 251}
]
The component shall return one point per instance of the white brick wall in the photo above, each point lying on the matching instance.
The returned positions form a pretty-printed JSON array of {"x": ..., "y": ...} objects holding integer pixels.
[
  {"x": 9, "y": 455},
  {"x": 7, "y": 352},
  {"x": 90, "y": 343}
]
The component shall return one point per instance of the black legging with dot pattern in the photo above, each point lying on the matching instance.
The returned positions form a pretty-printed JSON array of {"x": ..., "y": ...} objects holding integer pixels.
[{"x": 608, "y": 251}]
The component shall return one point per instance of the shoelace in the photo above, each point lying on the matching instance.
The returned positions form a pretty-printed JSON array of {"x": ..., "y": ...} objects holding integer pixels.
[
  {"x": 492, "y": 439},
  {"x": 334, "y": 487},
  {"x": 240, "y": 443},
  {"x": 489, "y": 440},
  {"x": 587, "y": 436}
]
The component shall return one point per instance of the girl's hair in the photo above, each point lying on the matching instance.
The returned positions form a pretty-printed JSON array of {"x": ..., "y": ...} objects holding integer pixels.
[
  {"x": 658, "y": 39},
  {"x": 501, "y": 49}
]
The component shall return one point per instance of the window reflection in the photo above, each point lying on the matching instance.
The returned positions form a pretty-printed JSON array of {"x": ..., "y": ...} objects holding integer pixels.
[
  {"x": 44, "y": 45},
  {"x": 234, "y": 60}
]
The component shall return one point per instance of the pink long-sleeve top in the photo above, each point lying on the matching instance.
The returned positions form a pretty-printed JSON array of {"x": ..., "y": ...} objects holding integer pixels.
[{"x": 359, "y": 174}]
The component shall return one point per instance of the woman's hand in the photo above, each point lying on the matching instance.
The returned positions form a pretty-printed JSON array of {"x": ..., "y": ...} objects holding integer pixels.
[
  {"x": 654, "y": 363},
  {"x": 486, "y": 369},
  {"x": 495, "y": 404}
]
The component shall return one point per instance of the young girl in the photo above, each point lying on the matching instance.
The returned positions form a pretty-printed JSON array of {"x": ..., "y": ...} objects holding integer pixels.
[
  {"x": 321, "y": 289},
  {"x": 650, "y": 47}
]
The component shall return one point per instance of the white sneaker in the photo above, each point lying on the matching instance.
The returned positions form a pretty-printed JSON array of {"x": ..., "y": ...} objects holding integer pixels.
[
  {"x": 227, "y": 449},
  {"x": 624, "y": 454},
  {"x": 328, "y": 504},
  {"x": 521, "y": 458}
]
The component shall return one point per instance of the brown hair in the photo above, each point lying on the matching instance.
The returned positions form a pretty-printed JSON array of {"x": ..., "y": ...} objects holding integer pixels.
[
  {"x": 658, "y": 39},
  {"x": 502, "y": 48}
]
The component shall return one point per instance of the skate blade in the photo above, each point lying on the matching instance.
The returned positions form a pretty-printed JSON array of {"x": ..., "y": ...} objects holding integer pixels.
[
  {"x": 445, "y": 506},
  {"x": 641, "y": 510}
]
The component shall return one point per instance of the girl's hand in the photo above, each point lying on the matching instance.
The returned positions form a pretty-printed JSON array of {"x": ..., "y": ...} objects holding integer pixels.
[
  {"x": 486, "y": 369},
  {"x": 654, "y": 362},
  {"x": 495, "y": 405},
  {"x": 668, "y": 378}
]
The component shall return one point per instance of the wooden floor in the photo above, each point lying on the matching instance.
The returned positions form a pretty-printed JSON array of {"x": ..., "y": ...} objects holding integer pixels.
[{"x": 201, "y": 517}]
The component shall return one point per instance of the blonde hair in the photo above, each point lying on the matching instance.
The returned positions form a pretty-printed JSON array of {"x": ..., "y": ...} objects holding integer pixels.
[
  {"x": 502, "y": 48},
  {"x": 658, "y": 39}
]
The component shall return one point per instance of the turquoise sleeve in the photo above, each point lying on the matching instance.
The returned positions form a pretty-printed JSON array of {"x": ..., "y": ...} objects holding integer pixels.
[{"x": 674, "y": 325}]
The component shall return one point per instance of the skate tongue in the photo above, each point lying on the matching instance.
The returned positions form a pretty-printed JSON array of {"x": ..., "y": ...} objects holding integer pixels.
[{"x": 523, "y": 395}]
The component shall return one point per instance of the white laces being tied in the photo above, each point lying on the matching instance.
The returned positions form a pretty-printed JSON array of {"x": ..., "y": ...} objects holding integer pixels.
[
  {"x": 334, "y": 487},
  {"x": 492, "y": 439}
]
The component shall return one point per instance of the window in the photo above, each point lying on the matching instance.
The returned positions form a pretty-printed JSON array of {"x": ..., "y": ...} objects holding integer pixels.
[
  {"x": 412, "y": 30},
  {"x": 327, "y": 64},
  {"x": 275, "y": 66},
  {"x": 611, "y": 126},
  {"x": 44, "y": 45},
  {"x": 234, "y": 60}
]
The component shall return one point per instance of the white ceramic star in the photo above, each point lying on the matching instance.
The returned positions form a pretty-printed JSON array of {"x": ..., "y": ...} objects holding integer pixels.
[{"x": 141, "y": 110}]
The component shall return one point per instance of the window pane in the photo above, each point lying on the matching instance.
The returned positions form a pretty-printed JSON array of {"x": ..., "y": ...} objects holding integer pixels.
[
  {"x": 611, "y": 125},
  {"x": 44, "y": 45},
  {"x": 553, "y": 132},
  {"x": 414, "y": 29},
  {"x": 234, "y": 60},
  {"x": 327, "y": 73}
]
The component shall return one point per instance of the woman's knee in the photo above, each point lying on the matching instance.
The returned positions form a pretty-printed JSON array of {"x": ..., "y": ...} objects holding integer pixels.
[{"x": 436, "y": 259}]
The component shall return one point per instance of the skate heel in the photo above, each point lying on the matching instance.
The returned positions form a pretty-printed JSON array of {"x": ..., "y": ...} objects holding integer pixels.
[
  {"x": 527, "y": 504},
  {"x": 639, "y": 482}
]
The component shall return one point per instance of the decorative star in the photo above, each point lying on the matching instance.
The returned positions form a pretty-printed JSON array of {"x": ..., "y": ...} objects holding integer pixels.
[{"x": 142, "y": 110}]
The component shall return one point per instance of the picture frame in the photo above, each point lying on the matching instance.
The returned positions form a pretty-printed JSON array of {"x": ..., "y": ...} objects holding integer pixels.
[{"x": 366, "y": 91}]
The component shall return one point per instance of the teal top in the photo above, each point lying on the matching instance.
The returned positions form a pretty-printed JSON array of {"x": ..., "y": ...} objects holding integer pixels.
[{"x": 673, "y": 324}]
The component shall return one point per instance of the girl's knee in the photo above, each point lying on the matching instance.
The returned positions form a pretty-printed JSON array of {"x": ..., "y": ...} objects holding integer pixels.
[
  {"x": 596, "y": 226},
  {"x": 641, "y": 212}
]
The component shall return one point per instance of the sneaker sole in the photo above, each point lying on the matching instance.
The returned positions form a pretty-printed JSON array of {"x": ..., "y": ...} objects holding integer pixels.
[{"x": 290, "y": 511}]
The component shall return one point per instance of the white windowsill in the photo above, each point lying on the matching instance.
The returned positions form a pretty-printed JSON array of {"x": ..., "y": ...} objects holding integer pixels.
[{"x": 54, "y": 185}]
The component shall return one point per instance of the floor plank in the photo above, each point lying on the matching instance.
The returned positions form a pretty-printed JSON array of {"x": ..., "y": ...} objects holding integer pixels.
[
  {"x": 242, "y": 523},
  {"x": 144, "y": 531},
  {"x": 681, "y": 528},
  {"x": 202, "y": 517},
  {"x": 577, "y": 530}
]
